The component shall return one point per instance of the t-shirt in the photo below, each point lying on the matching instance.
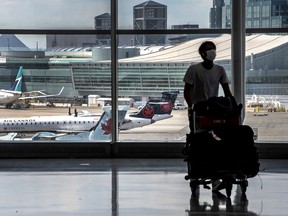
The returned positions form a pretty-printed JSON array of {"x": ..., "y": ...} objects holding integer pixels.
[{"x": 205, "y": 83}]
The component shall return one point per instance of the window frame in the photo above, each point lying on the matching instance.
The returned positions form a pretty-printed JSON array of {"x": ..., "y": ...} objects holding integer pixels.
[{"x": 112, "y": 149}]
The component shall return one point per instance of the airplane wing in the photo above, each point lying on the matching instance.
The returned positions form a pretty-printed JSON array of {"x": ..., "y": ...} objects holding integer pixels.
[
  {"x": 9, "y": 136},
  {"x": 38, "y": 94},
  {"x": 45, "y": 136}
]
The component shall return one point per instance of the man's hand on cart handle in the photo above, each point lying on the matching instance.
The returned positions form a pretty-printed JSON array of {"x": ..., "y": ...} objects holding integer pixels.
[{"x": 192, "y": 107}]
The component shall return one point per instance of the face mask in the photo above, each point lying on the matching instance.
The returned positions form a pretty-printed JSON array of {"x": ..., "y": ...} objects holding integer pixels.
[{"x": 211, "y": 54}]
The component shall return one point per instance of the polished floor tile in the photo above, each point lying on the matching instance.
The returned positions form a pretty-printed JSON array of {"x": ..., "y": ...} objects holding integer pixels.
[{"x": 126, "y": 187}]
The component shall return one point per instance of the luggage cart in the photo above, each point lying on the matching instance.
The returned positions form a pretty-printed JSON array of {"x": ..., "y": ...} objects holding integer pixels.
[{"x": 220, "y": 148}]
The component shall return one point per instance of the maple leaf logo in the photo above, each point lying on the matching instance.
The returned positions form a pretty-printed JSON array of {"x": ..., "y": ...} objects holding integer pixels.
[
  {"x": 148, "y": 112},
  {"x": 166, "y": 107},
  {"x": 107, "y": 127}
]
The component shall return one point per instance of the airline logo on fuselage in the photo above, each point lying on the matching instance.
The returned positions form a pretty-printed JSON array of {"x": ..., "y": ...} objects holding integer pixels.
[
  {"x": 148, "y": 112},
  {"x": 18, "y": 120}
]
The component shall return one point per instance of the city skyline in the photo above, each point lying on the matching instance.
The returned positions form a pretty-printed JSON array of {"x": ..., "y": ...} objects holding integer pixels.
[{"x": 74, "y": 14}]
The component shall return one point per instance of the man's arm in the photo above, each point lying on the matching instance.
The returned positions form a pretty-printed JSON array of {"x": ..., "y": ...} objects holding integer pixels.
[
  {"x": 226, "y": 90},
  {"x": 187, "y": 94}
]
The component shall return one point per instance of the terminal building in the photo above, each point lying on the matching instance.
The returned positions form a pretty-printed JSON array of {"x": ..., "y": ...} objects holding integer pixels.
[{"x": 87, "y": 71}]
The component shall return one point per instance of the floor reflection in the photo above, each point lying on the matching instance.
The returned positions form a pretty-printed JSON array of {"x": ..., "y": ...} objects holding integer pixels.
[{"x": 221, "y": 205}]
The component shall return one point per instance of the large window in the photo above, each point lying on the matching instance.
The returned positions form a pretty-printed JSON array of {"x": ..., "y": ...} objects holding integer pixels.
[{"x": 63, "y": 44}]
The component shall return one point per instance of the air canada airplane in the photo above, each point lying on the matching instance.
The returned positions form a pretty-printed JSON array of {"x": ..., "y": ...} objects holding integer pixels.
[
  {"x": 153, "y": 111},
  {"x": 69, "y": 123},
  {"x": 102, "y": 131}
]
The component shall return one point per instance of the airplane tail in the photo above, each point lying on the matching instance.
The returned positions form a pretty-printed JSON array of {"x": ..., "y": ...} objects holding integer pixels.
[
  {"x": 17, "y": 85},
  {"x": 161, "y": 108},
  {"x": 103, "y": 128},
  {"x": 170, "y": 96},
  {"x": 158, "y": 107},
  {"x": 102, "y": 131},
  {"x": 146, "y": 112},
  {"x": 165, "y": 104}
]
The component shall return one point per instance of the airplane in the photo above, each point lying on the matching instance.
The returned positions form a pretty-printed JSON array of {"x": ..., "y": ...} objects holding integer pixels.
[
  {"x": 70, "y": 123},
  {"x": 8, "y": 97},
  {"x": 154, "y": 110},
  {"x": 102, "y": 131},
  {"x": 165, "y": 105},
  {"x": 38, "y": 94},
  {"x": 8, "y": 136}
]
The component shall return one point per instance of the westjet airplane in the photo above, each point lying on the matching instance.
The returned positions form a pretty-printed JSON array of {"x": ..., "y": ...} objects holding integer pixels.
[{"x": 8, "y": 97}]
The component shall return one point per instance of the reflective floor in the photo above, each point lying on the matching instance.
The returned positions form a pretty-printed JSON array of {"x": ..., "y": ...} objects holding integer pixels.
[{"x": 126, "y": 187}]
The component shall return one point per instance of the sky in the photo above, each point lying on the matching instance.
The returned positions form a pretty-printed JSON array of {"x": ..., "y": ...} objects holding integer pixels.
[
  {"x": 75, "y": 14},
  {"x": 80, "y": 14}
]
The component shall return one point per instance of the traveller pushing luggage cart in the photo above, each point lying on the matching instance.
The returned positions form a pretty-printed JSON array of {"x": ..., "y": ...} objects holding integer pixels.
[{"x": 219, "y": 148}]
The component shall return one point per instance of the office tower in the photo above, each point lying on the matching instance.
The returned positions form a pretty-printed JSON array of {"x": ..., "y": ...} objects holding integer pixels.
[
  {"x": 149, "y": 15},
  {"x": 216, "y": 14},
  {"x": 103, "y": 22},
  {"x": 259, "y": 14}
]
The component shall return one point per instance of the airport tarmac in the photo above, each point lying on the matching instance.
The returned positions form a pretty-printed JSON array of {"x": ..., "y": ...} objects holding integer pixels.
[
  {"x": 269, "y": 126},
  {"x": 44, "y": 111}
]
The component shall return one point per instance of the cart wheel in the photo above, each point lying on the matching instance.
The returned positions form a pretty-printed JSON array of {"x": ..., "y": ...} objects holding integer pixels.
[
  {"x": 195, "y": 191},
  {"x": 194, "y": 185},
  {"x": 244, "y": 186},
  {"x": 228, "y": 187},
  {"x": 186, "y": 151}
]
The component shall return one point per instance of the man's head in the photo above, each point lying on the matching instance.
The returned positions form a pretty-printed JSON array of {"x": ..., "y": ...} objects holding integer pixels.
[{"x": 207, "y": 50}]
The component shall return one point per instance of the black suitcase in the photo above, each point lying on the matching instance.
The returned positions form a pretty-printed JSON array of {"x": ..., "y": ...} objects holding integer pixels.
[{"x": 227, "y": 152}]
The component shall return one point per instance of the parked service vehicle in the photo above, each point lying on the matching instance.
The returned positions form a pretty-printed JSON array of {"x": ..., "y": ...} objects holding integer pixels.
[{"x": 179, "y": 106}]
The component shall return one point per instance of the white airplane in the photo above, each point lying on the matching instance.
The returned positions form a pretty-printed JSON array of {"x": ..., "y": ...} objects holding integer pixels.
[
  {"x": 102, "y": 131},
  {"x": 8, "y": 136},
  {"x": 38, "y": 94},
  {"x": 153, "y": 111},
  {"x": 8, "y": 97},
  {"x": 70, "y": 123}
]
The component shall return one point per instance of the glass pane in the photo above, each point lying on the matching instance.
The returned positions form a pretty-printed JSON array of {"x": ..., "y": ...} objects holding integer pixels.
[
  {"x": 155, "y": 74},
  {"x": 266, "y": 14},
  {"x": 266, "y": 86},
  {"x": 61, "y": 82},
  {"x": 156, "y": 69},
  {"x": 60, "y": 14},
  {"x": 163, "y": 14}
]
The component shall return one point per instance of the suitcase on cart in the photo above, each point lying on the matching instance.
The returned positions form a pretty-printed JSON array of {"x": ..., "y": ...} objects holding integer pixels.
[{"x": 219, "y": 147}]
